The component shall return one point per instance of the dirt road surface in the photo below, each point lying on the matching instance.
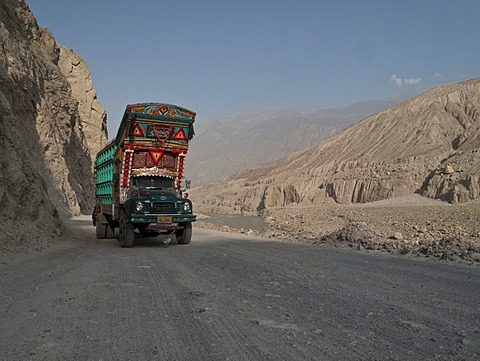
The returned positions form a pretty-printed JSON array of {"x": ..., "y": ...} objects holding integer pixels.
[{"x": 233, "y": 297}]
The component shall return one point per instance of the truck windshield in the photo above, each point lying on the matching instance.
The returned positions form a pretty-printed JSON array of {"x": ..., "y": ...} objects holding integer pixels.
[{"x": 152, "y": 184}]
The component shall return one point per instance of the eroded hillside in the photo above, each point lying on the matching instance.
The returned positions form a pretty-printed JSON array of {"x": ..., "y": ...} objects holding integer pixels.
[
  {"x": 429, "y": 145},
  {"x": 222, "y": 147}
]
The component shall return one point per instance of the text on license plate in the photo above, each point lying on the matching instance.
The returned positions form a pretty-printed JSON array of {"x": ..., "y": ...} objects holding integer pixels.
[{"x": 162, "y": 219}]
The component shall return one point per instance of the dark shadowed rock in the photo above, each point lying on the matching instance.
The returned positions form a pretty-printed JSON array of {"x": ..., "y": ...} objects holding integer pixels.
[{"x": 45, "y": 153}]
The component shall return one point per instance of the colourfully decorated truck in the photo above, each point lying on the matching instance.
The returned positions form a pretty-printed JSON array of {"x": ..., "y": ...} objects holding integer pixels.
[{"x": 139, "y": 176}]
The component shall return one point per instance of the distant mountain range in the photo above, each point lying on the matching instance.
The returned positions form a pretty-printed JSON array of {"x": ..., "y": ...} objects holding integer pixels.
[
  {"x": 222, "y": 147},
  {"x": 429, "y": 145}
]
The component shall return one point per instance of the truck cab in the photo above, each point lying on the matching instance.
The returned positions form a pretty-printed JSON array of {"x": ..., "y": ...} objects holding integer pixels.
[{"x": 155, "y": 206}]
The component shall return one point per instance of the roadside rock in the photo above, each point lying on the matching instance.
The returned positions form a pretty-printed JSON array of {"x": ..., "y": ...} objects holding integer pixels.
[
  {"x": 397, "y": 236},
  {"x": 353, "y": 235},
  {"x": 451, "y": 248}
]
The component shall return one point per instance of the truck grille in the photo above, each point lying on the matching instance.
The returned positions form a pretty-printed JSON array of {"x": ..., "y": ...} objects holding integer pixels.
[{"x": 163, "y": 208}]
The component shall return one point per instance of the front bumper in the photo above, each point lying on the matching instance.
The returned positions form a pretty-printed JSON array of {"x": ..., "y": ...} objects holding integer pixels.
[{"x": 167, "y": 220}]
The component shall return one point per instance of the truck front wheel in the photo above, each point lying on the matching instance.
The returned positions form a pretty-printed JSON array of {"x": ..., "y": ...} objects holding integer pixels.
[
  {"x": 185, "y": 235},
  {"x": 126, "y": 232}
]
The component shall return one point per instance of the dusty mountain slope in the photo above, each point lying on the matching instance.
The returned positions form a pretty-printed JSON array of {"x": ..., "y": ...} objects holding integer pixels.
[
  {"x": 428, "y": 145},
  {"x": 45, "y": 154},
  {"x": 222, "y": 147}
]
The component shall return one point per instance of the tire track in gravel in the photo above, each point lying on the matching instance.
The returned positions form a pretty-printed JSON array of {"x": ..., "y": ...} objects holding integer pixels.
[
  {"x": 214, "y": 338},
  {"x": 227, "y": 297},
  {"x": 375, "y": 312}
]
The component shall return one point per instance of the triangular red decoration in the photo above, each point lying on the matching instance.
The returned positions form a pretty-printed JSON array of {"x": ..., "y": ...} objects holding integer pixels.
[
  {"x": 137, "y": 131},
  {"x": 180, "y": 135},
  {"x": 156, "y": 155}
]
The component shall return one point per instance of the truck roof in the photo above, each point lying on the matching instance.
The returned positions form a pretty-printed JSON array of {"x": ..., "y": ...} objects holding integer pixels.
[
  {"x": 156, "y": 112},
  {"x": 161, "y": 110}
]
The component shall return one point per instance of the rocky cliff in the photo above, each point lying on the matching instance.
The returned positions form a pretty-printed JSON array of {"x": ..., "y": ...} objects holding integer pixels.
[
  {"x": 429, "y": 145},
  {"x": 50, "y": 124},
  {"x": 93, "y": 118}
]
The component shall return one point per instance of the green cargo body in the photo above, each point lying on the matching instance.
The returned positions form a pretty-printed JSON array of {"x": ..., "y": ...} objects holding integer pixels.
[{"x": 104, "y": 174}]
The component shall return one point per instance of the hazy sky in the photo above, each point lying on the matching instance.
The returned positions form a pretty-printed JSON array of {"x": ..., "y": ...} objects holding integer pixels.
[{"x": 220, "y": 57}]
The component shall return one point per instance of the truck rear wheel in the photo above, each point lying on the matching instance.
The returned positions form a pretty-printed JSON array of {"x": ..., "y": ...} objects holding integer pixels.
[
  {"x": 126, "y": 232},
  {"x": 102, "y": 230},
  {"x": 110, "y": 233},
  {"x": 185, "y": 235}
]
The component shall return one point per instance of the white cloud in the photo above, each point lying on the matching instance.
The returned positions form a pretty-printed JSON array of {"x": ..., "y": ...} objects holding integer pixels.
[
  {"x": 437, "y": 75},
  {"x": 399, "y": 81},
  {"x": 412, "y": 80},
  {"x": 396, "y": 81}
]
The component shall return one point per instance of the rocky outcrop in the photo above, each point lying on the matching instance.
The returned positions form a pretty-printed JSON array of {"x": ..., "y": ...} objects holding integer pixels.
[
  {"x": 93, "y": 118},
  {"x": 429, "y": 145},
  {"x": 45, "y": 156}
]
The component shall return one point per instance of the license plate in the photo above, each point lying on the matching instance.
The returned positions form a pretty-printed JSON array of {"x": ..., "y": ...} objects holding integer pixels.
[{"x": 161, "y": 219}]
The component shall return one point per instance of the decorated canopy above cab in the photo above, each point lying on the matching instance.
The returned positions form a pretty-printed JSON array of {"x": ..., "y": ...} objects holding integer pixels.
[{"x": 156, "y": 124}]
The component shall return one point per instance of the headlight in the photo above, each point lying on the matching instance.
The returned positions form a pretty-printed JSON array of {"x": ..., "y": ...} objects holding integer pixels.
[
  {"x": 139, "y": 206},
  {"x": 186, "y": 207}
]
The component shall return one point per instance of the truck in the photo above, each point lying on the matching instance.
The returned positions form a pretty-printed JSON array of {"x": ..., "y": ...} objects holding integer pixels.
[{"x": 139, "y": 182}]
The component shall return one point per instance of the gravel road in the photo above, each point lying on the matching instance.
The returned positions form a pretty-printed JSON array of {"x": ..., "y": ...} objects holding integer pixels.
[{"x": 233, "y": 297}]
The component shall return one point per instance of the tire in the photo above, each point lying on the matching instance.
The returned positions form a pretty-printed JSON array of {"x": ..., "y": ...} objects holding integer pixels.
[
  {"x": 110, "y": 232},
  {"x": 185, "y": 235},
  {"x": 126, "y": 232},
  {"x": 101, "y": 230}
]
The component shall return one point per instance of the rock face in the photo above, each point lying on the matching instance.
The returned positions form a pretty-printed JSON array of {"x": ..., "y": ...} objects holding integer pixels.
[
  {"x": 45, "y": 129},
  {"x": 93, "y": 118},
  {"x": 428, "y": 145}
]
